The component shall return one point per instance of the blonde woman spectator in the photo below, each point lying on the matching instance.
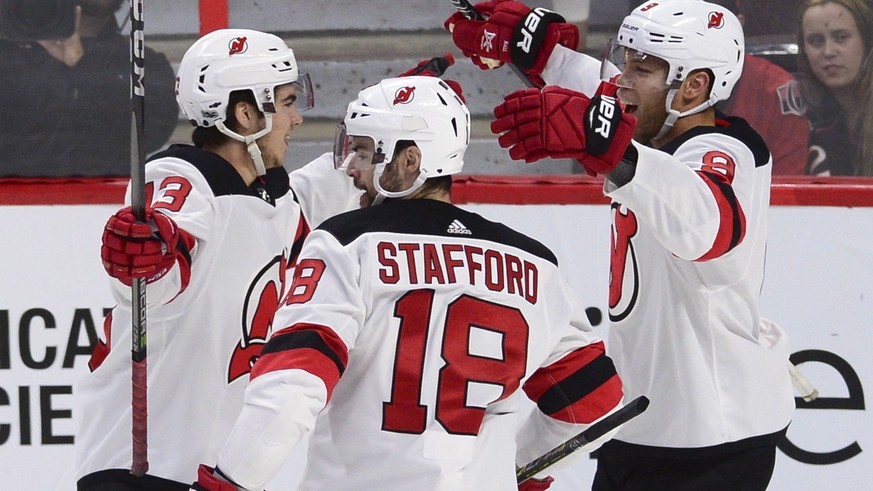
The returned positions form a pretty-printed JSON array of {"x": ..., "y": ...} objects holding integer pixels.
[{"x": 835, "y": 40}]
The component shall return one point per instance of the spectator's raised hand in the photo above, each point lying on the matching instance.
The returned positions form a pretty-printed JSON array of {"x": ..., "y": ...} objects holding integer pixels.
[{"x": 70, "y": 50}]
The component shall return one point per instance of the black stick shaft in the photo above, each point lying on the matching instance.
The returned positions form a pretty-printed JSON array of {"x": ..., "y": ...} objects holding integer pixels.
[
  {"x": 595, "y": 431},
  {"x": 139, "y": 378}
]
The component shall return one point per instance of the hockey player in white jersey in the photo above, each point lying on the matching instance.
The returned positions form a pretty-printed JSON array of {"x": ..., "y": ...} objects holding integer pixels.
[
  {"x": 413, "y": 329},
  {"x": 690, "y": 196},
  {"x": 229, "y": 223}
]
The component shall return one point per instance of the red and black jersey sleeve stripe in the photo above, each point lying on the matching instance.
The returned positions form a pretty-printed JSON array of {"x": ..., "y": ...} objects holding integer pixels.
[
  {"x": 310, "y": 347},
  {"x": 732, "y": 220},
  {"x": 303, "y": 231},
  {"x": 185, "y": 244},
  {"x": 579, "y": 388}
]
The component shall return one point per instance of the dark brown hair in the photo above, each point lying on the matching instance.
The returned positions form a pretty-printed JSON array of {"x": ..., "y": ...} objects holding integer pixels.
[{"x": 211, "y": 137}]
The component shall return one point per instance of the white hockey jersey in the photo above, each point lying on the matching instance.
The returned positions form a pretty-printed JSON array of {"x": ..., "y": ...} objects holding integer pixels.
[
  {"x": 689, "y": 238},
  {"x": 209, "y": 318},
  {"x": 418, "y": 322}
]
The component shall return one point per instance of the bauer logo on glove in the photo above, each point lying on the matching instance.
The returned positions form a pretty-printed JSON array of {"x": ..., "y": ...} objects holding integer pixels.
[
  {"x": 602, "y": 122},
  {"x": 529, "y": 36}
]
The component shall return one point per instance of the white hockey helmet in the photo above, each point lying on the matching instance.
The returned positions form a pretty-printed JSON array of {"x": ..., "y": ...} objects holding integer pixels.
[
  {"x": 689, "y": 35},
  {"x": 421, "y": 109},
  {"x": 229, "y": 60}
]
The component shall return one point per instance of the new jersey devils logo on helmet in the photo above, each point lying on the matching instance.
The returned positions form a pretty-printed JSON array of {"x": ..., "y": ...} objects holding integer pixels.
[
  {"x": 404, "y": 95},
  {"x": 237, "y": 46},
  {"x": 716, "y": 20}
]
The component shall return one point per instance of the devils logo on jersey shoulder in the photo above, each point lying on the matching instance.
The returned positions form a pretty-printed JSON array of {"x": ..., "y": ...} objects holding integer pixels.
[
  {"x": 716, "y": 20},
  {"x": 404, "y": 95},
  {"x": 261, "y": 302},
  {"x": 237, "y": 46}
]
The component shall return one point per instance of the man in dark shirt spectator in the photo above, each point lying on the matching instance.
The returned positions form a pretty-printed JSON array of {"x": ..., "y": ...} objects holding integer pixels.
[{"x": 65, "y": 103}]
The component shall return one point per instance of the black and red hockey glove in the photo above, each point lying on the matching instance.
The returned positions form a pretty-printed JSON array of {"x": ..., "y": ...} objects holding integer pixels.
[
  {"x": 512, "y": 33},
  {"x": 431, "y": 67},
  {"x": 561, "y": 123},
  {"x": 436, "y": 67},
  {"x": 134, "y": 249}
]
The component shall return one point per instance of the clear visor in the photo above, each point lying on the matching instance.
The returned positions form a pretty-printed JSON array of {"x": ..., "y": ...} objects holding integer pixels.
[
  {"x": 623, "y": 66},
  {"x": 616, "y": 59},
  {"x": 354, "y": 152},
  {"x": 305, "y": 95}
]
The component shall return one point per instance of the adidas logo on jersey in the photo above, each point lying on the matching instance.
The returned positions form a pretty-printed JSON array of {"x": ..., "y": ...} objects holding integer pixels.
[{"x": 457, "y": 227}]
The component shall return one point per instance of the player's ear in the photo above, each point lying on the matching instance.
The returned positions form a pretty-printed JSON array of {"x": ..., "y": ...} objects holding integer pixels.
[
  {"x": 248, "y": 117},
  {"x": 412, "y": 161},
  {"x": 696, "y": 87}
]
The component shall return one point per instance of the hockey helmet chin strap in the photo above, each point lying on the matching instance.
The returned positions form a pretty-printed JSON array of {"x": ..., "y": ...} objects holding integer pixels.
[
  {"x": 674, "y": 115},
  {"x": 251, "y": 141},
  {"x": 382, "y": 194}
]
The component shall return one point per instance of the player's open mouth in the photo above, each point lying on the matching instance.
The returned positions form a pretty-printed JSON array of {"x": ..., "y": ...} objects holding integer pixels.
[{"x": 630, "y": 108}]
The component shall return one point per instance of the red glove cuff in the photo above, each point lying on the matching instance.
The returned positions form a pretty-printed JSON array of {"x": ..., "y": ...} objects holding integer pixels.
[
  {"x": 208, "y": 481},
  {"x": 536, "y": 484}
]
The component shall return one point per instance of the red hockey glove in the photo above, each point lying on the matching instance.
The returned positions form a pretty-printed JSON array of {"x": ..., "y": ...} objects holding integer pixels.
[
  {"x": 536, "y": 484},
  {"x": 436, "y": 67},
  {"x": 433, "y": 67},
  {"x": 208, "y": 481},
  {"x": 560, "y": 123},
  {"x": 512, "y": 33},
  {"x": 134, "y": 249}
]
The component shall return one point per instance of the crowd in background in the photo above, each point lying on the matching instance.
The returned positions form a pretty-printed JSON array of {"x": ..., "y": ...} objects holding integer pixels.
[{"x": 65, "y": 99}]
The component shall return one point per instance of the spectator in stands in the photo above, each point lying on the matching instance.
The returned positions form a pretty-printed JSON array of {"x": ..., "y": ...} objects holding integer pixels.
[
  {"x": 835, "y": 40},
  {"x": 769, "y": 98},
  {"x": 773, "y": 17},
  {"x": 65, "y": 101}
]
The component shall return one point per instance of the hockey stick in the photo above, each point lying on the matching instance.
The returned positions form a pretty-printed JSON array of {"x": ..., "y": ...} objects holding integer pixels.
[
  {"x": 139, "y": 372},
  {"x": 628, "y": 412},
  {"x": 807, "y": 391},
  {"x": 466, "y": 8}
]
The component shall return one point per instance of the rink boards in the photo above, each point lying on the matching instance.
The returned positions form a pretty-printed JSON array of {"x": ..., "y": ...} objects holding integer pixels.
[{"x": 819, "y": 287}]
